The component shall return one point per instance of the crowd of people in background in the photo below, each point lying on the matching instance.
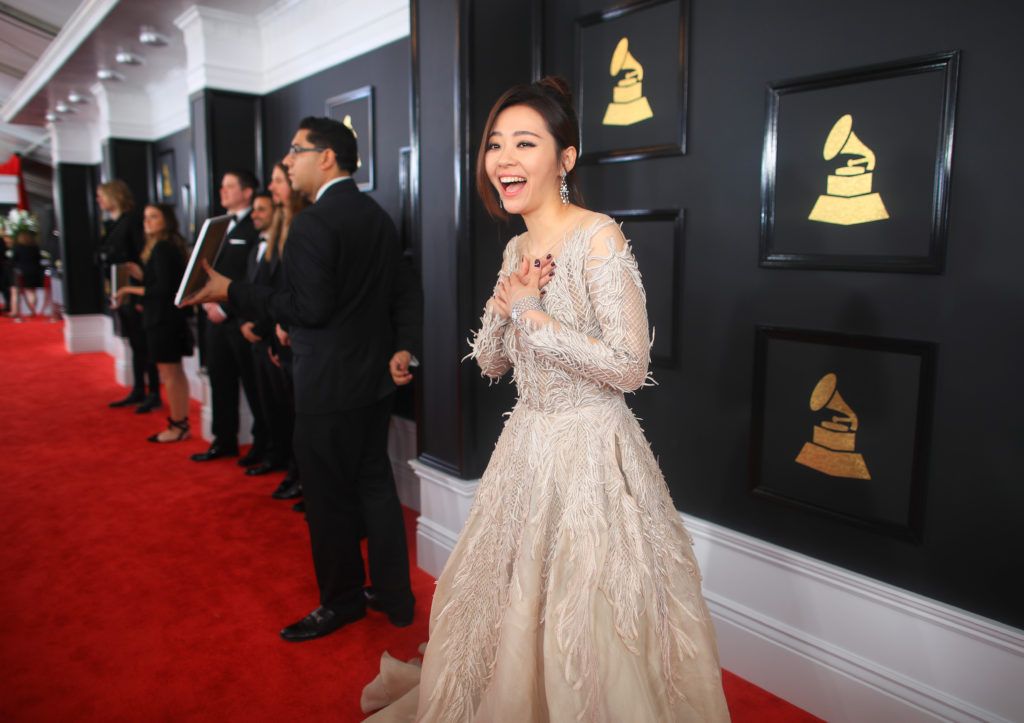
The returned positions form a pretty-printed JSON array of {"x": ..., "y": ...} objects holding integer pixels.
[
  {"x": 21, "y": 263},
  {"x": 311, "y": 260}
]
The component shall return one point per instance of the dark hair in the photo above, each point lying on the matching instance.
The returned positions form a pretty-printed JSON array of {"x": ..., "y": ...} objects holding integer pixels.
[
  {"x": 263, "y": 194},
  {"x": 246, "y": 179},
  {"x": 170, "y": 227},
  {"x": 551, "y": 98},
  {"x": 329, "y": 133}
]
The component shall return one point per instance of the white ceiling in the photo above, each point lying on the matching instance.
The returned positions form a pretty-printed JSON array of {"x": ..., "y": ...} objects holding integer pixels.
[{"x": 26, "y": 30}]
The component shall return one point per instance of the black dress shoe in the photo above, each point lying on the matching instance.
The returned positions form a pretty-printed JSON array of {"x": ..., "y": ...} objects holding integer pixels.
[
  {"x": 253, "y": 457},
  {"x": 322, "y": 621},
  {"x": 136, "y": 397},
  {"x": 264, "y": 468},
  {"x": 216, "y": 451},
  {"x": 400, "y": 619},
  {"x": 148, "y": 404},
  {"x": 289, "y": 489}
]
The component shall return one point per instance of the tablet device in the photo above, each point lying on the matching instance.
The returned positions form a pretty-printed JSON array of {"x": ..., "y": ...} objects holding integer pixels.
[{"x": 208, "y": 245}]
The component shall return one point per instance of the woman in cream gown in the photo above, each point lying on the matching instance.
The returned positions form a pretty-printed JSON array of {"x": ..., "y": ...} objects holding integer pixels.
[{"x": 573, "y": 592}]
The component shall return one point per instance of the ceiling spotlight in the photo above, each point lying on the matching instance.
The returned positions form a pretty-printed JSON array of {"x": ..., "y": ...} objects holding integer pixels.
[
  {"x": 76, "y": 98},
  {"x": 52, "y": 117},
  {"x": 108, "y": 74},
  {"x": 149, "y": 36},
  {"x": 63, "y": 108},
  {"x": 126, "y": 57}
]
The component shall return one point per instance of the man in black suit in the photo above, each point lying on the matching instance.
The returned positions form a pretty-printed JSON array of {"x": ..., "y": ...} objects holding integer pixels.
[
  {"x": 346, "y": 316},
  {"x": 227, "y": 354}
]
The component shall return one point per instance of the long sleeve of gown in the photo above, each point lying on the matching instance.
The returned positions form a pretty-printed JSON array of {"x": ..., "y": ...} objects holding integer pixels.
[
  {"x": 620, "y": 357},
  {"x": 488, "y": 342}
]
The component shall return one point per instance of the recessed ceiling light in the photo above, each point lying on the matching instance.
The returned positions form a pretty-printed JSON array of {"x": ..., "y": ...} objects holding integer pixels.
[
  {"x": 149, "y": 36},
  {"x": 76, "y": 98},
  {"x": 126, "y": 57},
  {"x": 62, "y": 107},
  {"x": 108, "y": 74},
  {"x": 52, "y": 117}
]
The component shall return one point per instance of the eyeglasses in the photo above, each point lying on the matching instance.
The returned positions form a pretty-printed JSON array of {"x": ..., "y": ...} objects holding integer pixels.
[{"x": 294, "y": 150}]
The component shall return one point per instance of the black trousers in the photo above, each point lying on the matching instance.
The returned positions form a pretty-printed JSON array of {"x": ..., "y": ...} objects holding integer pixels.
[
  {"x": 347, "y": 480},
  {"x": 228, "y": 361},
  {"x": 277, "y": 403},
  {"x": 142, "y": 367}
]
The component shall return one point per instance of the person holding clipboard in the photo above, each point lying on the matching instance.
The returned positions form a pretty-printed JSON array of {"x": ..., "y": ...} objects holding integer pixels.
[
  {"x": 226, "y": 352},
  {"x": 343, "y": 263}
]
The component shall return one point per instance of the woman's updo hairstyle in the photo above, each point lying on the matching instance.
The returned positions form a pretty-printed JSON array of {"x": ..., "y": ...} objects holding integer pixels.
[{"x": 551, "y": 98}]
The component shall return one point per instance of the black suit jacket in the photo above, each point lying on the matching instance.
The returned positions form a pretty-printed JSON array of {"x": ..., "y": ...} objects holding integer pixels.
[
  {"x": 234, "y": 256},
  {"x": 341, "y": 263}
]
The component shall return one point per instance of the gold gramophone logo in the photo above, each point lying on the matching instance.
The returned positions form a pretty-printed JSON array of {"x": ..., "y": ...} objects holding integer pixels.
[
  {"x": 347, "y": 122},
  {"x": 848, "y": 199},
  {"x": 832, "y": 448},
  {"x": 628, "y": 104},
  {"x": 165, "y": 182}
]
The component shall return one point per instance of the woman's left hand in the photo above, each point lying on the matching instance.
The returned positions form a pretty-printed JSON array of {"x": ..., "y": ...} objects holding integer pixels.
[{"x": 134, "y": 270}]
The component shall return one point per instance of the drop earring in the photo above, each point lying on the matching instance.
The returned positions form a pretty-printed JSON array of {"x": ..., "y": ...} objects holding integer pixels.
[{"x": 563, "y": 190}]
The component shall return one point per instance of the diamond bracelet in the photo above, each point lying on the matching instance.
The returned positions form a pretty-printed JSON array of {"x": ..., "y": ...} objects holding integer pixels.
[{"x": 527, "y": 303}]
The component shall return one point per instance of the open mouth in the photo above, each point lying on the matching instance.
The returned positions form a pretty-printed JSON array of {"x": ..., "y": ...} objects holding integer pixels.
[{"x": 511, "y": 185}]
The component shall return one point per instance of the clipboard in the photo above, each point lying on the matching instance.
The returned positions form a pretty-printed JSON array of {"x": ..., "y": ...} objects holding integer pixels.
[{"x": 208, "y": 246}]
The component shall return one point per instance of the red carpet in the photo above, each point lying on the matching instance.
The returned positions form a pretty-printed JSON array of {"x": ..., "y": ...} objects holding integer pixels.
[{"x": 138, "y": 585}]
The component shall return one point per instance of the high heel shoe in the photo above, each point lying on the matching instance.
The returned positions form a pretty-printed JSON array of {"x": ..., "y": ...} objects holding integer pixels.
[{"x": 179, "y": 424}]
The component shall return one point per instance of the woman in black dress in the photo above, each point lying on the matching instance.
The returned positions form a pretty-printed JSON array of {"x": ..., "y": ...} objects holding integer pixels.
[
  {"x": 123, "y": 240},
  {"x": 168, "y": 337},
  {"x": 26, "y": 263}
]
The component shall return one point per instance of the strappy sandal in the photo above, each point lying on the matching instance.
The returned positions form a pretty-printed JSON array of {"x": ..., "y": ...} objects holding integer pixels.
[{"x": 180, "y": 424}]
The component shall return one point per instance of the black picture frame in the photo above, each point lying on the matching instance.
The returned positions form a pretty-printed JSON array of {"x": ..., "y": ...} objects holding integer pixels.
[
  {"x": 890, "y": 381},
  {"x": 897, "y": 220},
  {"x": 656, "y": 236},
  {"x": 166, "y": 177},
  {"x": 358, "y": 105},
  {"x": 662, "y": 26}
]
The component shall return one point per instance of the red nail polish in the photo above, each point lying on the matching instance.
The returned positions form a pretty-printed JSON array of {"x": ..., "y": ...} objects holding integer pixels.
[{"x": 536, "y": 262}]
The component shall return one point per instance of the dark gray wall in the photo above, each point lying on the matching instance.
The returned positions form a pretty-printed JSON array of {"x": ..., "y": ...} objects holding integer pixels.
[
  {"x": 387, "y": 70},
  {"x": 699, "y": 418},
  {"x": 181, "y": 144}
]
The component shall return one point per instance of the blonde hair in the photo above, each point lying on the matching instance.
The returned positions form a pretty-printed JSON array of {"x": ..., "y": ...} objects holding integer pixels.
[
  {"x": 118, "y": 193},
  {"x": 282, "y": 222}
]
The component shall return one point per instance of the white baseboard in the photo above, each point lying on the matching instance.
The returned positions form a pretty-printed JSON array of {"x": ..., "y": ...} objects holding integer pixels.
[
  {"x": 839, "y": 645},
  {"x": 198, "y": 382},
  {"x": 402, "y": 448},
  {"x": 86, "y": 333}
]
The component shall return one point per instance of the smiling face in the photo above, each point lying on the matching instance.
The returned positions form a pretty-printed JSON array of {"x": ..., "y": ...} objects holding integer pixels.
[
  {"x": 262, "y": 213},
  {"x": 279, "y": 186},
  {"x": 523, "y": 161}
]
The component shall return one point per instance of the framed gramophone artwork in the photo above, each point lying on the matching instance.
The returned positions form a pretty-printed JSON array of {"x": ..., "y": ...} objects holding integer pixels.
[
  {"x": 166, "y": 178},
  {"x": 656, "y": 237},
  {"x": 841, "y": 426},
  {"x": 355, "y": 109},
  {"x": 630, "y": 84},
  {"x": 856, "y": 165}
]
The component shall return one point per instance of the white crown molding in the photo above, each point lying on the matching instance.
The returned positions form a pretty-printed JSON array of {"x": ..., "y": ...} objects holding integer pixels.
[
  {"x": 344, "y": 41},
  {"x": 79, "y": 26},
  {"x": 223, "y": 50},
  {"x": 259, "y": 54},
  {"x": 838, "y": 644},
  {"x": 74, "y": 143}
]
